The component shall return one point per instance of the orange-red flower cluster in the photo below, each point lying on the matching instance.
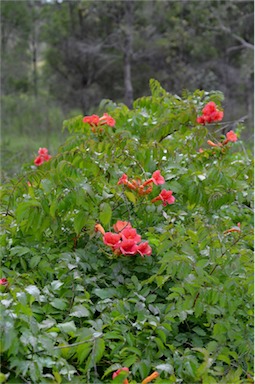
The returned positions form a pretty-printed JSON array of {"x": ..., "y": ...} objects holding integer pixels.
[
  {"x": 210, "y": 114},
  {"x": 138, "y": 186},
  {"x": 125, "y": 240},
  {"x": 97, "y": 122},
  {"x": 157, "y": 179},
  {"x": 43, "y": 156}
]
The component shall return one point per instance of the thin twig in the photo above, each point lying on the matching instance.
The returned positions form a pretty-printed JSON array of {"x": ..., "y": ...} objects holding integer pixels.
[{"x": 64, "y": 346}]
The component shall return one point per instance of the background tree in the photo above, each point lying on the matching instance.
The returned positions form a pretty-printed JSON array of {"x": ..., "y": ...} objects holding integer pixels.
[
  {"x": 73, "y": 54},
  {"x": 184, "y": 44}
]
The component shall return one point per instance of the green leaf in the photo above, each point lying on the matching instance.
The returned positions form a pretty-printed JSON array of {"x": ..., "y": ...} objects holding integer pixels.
[
  {"x": 113, "y": 335},
  {"x": 57, "y": 377},
  {"x": 105, "y": 213},
  {"x": 133, "y": 350},
  {"x": 59, "y": 304},
  {"x": 96, "y": 353},
  {"x": 20, "y": 251},
  {"x": 131, "y": 197},
  {"x": 34, "y": 261},
  {"x": 33, "y": 290},
  {"x": 119, "y": 379},
  {"x": 165, "y": 367},
  {"x": 112, "y": 368},
  {"x": 130, "y": 361},
  {"x": 99, "y": 349},
  {"x": 224, "y": 358},
  {"x": 53, "y": 208},
  {"x": 79, "y": 311},
  {"x": 80, "y": 221},
  {"x": 83, "y": 351},
  {"x": 105, "y": 293},
  {"x": 3, "y": 377},
  {"x": 68, "y": 327},
  {"x": 199, "y": 331}
]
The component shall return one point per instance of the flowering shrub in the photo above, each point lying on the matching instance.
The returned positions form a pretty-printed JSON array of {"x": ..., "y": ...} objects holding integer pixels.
[{"x": 81, "y": 303}]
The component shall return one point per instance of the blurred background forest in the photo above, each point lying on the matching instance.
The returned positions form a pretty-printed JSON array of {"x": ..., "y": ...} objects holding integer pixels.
[{"x": 61, "y": 58}]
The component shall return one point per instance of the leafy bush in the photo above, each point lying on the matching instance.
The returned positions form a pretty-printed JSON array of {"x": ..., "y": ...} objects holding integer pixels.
[{"x": 76, "y": 310}]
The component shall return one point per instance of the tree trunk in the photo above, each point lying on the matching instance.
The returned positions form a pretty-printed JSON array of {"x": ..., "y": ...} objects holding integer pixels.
[
  {"x": 34, "y": 48},
  {"x": 128, "y": 52}
]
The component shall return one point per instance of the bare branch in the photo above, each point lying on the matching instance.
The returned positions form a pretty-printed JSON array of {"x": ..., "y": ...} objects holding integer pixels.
[{"x": 244, "y": 43}]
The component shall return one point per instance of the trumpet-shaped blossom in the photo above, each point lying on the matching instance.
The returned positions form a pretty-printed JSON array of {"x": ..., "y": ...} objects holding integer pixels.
[
  {"x": 212, "y": 144},
  {"x": 120, "y": 225},
  {"x": 123, "y": 179},
  {"x": 139, "y": 186},
  {"x": 91, "y": 120},
  {"x": 233, "y": 229},
  {"x": 125, "y": 240},
  {"x": 95, "y": 120},
  {"x": 209, "y": 108},
  {"x": 111, "y": 239},
  {"x": 210, "y": 114},
  {"x": 130, "y": 234},
  {"x": 47, "y": 157},
  {"x": 165, "y": 196},
  {"x": 99, "y": 228},
  {"x": 127, "y": 247},
  {"x": 43, "y": 151},
  {"x": 143, "y": 191},
  {"x": 42, "y": 157},
  {"x": 39, "y": 160},
  {"x": 115, "y": 374},
  {"x": 107, "y": 119},
  {"x": 144, "y": 249},
  {"x": 231, "y": 136},
  {"x": 157, "y": 178},
  {"x": 150, "y": 378}
]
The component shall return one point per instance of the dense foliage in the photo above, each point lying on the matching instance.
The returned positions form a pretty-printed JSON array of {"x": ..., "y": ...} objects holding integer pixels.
[{"x": 75, "y": 310}]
